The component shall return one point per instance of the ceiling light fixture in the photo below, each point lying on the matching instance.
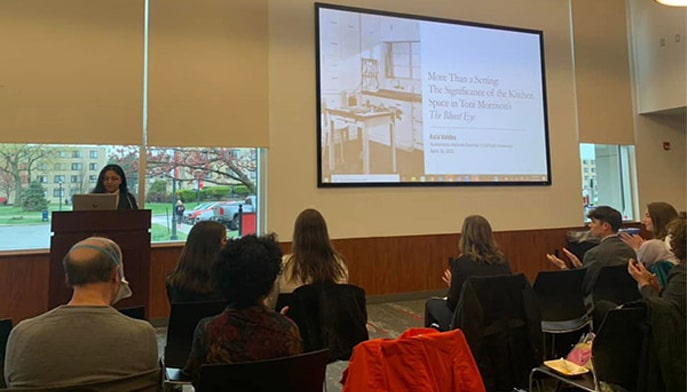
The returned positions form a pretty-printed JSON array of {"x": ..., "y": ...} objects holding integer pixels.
[{"x": 673, "y": 3}]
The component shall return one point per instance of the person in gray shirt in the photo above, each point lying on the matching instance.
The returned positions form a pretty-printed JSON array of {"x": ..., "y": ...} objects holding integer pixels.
[
  {"x": 604, "y": 224},
  {"x": 86, "y": 340}
]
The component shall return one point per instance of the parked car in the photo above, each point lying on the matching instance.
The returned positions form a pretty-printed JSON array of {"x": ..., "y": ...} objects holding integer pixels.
[
  {"x": 199, "y": 213},
  {"x": 227, "y": 213}
]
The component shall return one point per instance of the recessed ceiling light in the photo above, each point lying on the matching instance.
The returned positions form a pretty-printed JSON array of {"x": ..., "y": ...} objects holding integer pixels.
[{"x": 673, "y": 3}]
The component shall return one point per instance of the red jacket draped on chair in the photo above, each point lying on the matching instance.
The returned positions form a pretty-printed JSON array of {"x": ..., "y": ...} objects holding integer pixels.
[{"x": 419, "y": 360}]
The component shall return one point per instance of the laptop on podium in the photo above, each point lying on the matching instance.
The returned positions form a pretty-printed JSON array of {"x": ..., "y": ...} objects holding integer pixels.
[{"x": 94, "y": 202}]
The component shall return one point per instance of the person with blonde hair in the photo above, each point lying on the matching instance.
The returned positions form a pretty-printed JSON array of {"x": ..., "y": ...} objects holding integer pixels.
[{"x": 480, "y": 255}]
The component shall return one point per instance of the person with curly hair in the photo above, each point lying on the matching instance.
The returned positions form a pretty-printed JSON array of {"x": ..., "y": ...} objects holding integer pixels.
[{"x": 246, "y": 330}]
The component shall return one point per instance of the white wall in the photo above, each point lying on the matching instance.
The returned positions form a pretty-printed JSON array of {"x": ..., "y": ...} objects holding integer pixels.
[
  {"x": 659, "y": 36},
  {"x": 369, "y": 212}
]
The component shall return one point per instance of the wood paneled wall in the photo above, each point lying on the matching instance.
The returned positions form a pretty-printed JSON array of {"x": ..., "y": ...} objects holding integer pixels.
[{"x": 381, "y": 265}]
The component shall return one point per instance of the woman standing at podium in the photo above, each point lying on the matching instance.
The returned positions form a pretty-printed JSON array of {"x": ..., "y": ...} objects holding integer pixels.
[{"x": 112, "y": 180}]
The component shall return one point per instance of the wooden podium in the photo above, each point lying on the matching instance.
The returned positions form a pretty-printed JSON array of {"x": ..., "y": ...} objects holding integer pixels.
[{"x": 128, "y": 228}]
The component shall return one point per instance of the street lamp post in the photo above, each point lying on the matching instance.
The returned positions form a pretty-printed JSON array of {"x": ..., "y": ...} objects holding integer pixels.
[
  {"x": 60, "y": 185},
  {"x": 174, "y": 213}
]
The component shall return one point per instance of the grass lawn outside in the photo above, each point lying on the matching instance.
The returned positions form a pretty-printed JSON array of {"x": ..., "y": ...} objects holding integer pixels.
[
  {"x": 160, "y": 233},
  {"x": 11, "y": 215}
]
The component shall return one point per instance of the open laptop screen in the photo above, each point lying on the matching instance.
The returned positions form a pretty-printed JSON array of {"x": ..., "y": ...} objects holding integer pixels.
[{"x": 94, "y": 202}]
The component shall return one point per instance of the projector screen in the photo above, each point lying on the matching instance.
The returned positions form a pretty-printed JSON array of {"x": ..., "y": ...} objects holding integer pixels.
[{"x": 411, "y": 100}]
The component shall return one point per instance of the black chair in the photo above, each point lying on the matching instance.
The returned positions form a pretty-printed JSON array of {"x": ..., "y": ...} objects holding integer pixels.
[
  {"x": 332, "y": 316},
  {"x": 616, "y": 354},
  {"x": 500, "y": 318},
  {"x": 615, "y": 284},
  {"x": 183, "y": 319},
  {"x": 5, "y": 329},
  {"x": 303, "y": 373},
  {"x": 137, "y": 312},
  {"x": 284, "y": 299},
  {"x": 561, "y": 301}
]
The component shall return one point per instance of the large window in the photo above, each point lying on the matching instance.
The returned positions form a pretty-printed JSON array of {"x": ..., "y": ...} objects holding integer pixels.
[
  {"x": 403, "y": 60},
  {"x": 608, "y": 178},
  {"x": 133, "y": 124},
  {"x": 202, "y": 178}
]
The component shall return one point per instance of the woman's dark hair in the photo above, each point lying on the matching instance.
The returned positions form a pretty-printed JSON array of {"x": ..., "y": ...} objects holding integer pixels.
[
  {"x": 677, "y": 228},
  {"x": 477, "y": 241},
  {"x": 661, "y": 214},
  {"x": 246, "y": 269},
  {"x": 194, "y": 269},
  {"x": 123, "y": 187},
  {"x": 313, "y": 256}
]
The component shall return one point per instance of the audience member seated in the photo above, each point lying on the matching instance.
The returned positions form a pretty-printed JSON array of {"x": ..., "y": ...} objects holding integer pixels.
[
  {"x": 245, "y": 270},
  {"x": 192, "y": 279},
  {"x": 657, "y": 258},
  {"x": 656, "y": 218},
  {"x": 605, "y": 223},
  {"x": 313, "y": 258},
  {"x": 86, "y": 340},
  {"x": 479, "y": 255},
  {"x": 675, "y": 288}
]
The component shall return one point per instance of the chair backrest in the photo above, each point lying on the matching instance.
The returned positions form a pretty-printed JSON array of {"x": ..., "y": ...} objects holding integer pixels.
[
  {"x": 618, "y": 346},
  {"x": 615, "y": 284},
  {"x": 332, "y": 316},
  {"x": 137, "y": 312},
  {"x": 284, "y": 299},
  {"x": 560, "y": 294},
  {"x": 183, "y": 319},
  {"x": 303, "y": 373},
  {"x": 149, "y": 381},
  {"x": 5, "y": 329},
  {"x": 501, "y": 320}
]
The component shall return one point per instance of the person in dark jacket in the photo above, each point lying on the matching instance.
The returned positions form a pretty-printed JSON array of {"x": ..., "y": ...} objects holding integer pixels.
[
  {"x": 479, "y": 255},
  {"x": 113, "y": 180},
  {"x": 192, "y": 279}
]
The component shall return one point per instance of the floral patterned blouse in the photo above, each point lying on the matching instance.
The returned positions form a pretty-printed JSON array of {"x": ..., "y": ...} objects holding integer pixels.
[{"x": 242, "y": 335}]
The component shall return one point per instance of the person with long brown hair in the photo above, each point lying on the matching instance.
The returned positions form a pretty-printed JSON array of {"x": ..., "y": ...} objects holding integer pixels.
[
  {"x": 480, "y": 255},
  {"x": 313, "y": 259},
  {"x": 656, "y": 219},
  {"x": 192, "y": 279}
]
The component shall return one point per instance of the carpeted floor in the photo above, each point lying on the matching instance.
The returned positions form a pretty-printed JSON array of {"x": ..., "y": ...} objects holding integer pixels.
[{"x": 385, "y": 320}]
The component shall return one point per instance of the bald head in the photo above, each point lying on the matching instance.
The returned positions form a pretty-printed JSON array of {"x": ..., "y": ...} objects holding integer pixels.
[{"x": 91, "y": 261}]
